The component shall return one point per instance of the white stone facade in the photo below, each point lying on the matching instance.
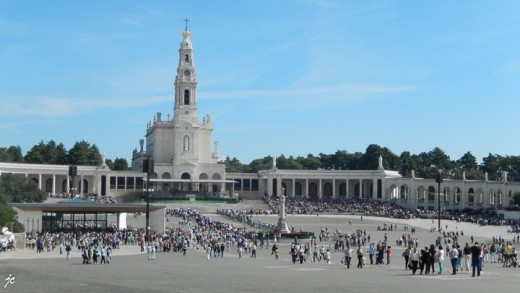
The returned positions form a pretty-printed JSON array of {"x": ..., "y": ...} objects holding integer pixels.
[{"x": 181, "y": 147}]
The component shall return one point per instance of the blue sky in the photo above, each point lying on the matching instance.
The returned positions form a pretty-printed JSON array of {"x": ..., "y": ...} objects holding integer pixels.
[{"x": 292, "y": 77}]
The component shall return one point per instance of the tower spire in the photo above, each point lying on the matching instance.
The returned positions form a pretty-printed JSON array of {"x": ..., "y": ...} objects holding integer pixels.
[{"x": 186, "y": 21}]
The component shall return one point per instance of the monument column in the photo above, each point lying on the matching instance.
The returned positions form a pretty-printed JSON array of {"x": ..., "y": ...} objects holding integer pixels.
[{"x": 282, "y": 224}]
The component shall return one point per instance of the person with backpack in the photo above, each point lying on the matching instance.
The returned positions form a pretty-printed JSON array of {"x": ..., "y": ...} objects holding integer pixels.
[{"x": 68, "y": 250}]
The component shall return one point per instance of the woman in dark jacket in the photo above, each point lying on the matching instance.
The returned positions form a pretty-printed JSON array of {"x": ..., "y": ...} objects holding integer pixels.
[{"x": 433, "y": 252}]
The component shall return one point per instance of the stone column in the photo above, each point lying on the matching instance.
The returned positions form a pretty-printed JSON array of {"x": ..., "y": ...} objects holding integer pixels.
[
  {"x": 374, "y": 188},
  {"x": 40, "y": 181},
  {"x": 347, "y": 189},
  {"x": 107, "y": 184},
  {"x": 53, "y": 183},
  {"x": 68, "y": 184},
  {"x": 360, "y": 188},
  {"x": 307, "y": 188},
  {"x": 320, "y": 190},
  {"x": 334, "y": 189},
  {"x": 82, "y": 184},
  {"x": 279, "y": 185},
  {"x": 294, "y": 186},
  {"x": 269, "y": 185}
]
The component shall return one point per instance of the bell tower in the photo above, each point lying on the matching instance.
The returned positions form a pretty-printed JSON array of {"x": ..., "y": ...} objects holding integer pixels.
[
  {"x": 181, "y": 147},
  {"x": 185, "y": 106}
]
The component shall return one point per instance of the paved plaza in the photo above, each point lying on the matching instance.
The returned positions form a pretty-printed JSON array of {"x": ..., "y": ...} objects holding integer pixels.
[{"x": 130, "y": 271}]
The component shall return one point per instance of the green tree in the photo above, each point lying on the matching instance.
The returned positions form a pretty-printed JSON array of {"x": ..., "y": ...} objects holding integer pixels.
[
  {"x": 371, "y": 157},
  {"x": 261, "y": 164},
  {"x": 12, "y": 154},
  {"x": 491, "y": 165},
  {"x": 9, "y": 218},
  {"x": 36, "y": 155},
  {"x": 288, "y": 163},
  {"x": 49, "y": 153},
  {"x": 516, "y": 199},
  {"x": 468, "y": 161},
  {"x": 310, "y": 162},
  {"x": 18, "y": 188},
  {"x": 326, "y": 161},
  {"x": 407, "y": 164},
  {"x": 341, "y": 160},
  {"x": 120, "y": 164},
  {"x": 82, "y": 153},
  {"x": 235, "y": 166}
]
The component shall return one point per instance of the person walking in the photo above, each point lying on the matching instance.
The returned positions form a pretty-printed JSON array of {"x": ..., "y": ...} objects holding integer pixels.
[
  {"x": 476, "y": 261},
  {"x": 371, "y": 252},
  {"x": 103, "y": 255},
  {"x": 109, "y": 255},
  {"x": 360, "y": 257},
  {"x": 85, "y": 255},
  {"x": 433, "y": 253},
  {"x": 440, "y": 258},
  {"x": 149, "y": 251},
  {"x": 68, "y": 249},
  {"x": 240, "y": 249},
  {"x": 208, "y": 252},
  {"x": 348, "y": 256},
  {"x": 414, "y": 259},
  {"x": 454, "y": 255},
  {"x": 253, "y": 251},
  {"x": 467, "y": 256},
  {"x": 406, "y": 255},
  {"x": 388, "y": 252}
]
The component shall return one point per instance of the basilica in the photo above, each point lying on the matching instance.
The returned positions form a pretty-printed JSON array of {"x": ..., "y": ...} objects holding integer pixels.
[{"x": 186, "y": 166}]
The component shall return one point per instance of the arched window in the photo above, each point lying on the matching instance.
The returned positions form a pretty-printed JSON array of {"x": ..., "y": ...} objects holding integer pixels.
[
  {"x": 186, "y": 143},
  {"x": 186, "y": 97}
]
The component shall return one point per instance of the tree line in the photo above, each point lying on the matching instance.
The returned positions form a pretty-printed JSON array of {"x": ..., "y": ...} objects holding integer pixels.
[
  {"x": 425, "y": 164},
  {"x": 82, "y": 153}
]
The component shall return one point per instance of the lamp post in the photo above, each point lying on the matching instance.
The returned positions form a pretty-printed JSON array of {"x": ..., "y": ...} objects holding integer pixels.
[
  {"x": 438, "y": 179},
  {"x": 73, "y": 171},
  {"x": 148, "y": 165}
]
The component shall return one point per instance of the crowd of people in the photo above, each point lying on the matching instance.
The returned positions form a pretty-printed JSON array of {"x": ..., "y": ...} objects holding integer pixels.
[
  {"x": 200, "y": 232},
  {"x": 301, "y": 205},
  {"x": 90, "y": 196},
  {"x": 369, "y": 207},
  {"x": 246, "y": 217},
  {"x": 197, "y": 231}
]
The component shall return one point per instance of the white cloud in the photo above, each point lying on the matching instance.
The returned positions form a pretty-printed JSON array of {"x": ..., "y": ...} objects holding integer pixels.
[
  {"x": 65, "y": 106},
  {"x": 341, "y": 90}
]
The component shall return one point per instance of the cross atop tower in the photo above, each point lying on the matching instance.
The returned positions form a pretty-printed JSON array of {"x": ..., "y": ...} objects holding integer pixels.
[{"x": 186, "y": 21}]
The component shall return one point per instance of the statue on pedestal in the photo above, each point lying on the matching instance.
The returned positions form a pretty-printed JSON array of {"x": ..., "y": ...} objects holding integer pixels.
[{"x": 282, "y": 224}]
